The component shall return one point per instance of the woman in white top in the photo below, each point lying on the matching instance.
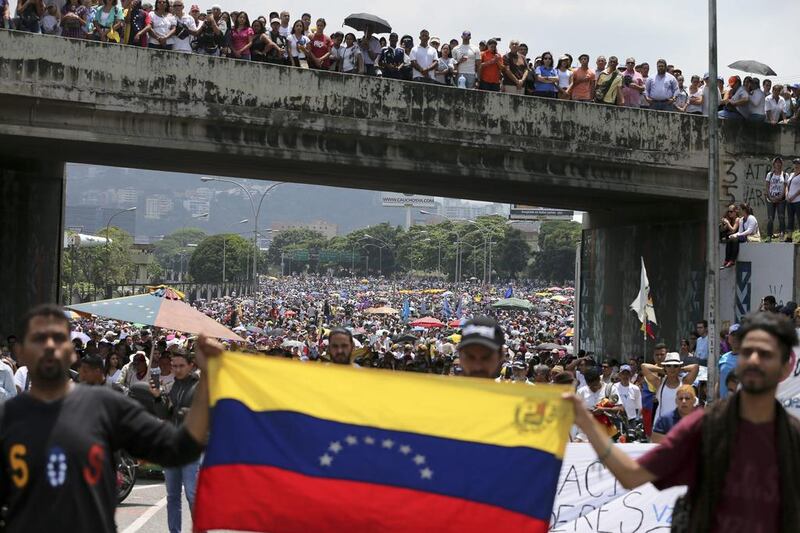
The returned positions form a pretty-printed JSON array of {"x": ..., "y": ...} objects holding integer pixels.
[
  {"x": 352, "y": 60},
  {"x": 298, "y": 41},
  {"x": 564, "y": 74},
  {"x": 695, "y": 106},
  {"x": 446, "y": 66},
  {"x": 748, "y": 232},
  {"x": 161, "y": 27},
  {"x": 113, "y": 369}
]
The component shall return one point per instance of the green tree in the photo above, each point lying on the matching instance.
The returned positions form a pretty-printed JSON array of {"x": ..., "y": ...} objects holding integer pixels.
[
  {"x": 295, "y": 239},
  {"x": 87, "y": 269},
  {"x": 232, "y": 251},
  {"x": 555, "y": 261},
  {"x": 512, "y": 254},
  {"x": 559, "y": 234}
]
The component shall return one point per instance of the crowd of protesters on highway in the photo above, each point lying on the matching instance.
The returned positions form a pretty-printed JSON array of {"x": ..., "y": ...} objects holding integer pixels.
[
  {"x": 416, "y": 328},
  {"x": 458, "y": 62}
]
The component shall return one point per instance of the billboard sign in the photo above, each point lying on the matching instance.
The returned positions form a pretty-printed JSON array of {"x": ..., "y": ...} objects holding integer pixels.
[
  {"x": 407, "y": 200},
  {"x": 531, "y": 212}
]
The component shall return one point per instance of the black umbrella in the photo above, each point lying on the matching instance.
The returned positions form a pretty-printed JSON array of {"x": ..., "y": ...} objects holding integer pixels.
[
  {"x": 360, "y": 21},
  {"x": 752, "y": 67},
  {"x": 406, "y": 337}
]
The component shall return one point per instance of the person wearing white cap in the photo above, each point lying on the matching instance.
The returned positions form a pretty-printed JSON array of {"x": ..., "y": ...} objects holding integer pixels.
[
  {"x": 666, "y": 379},
  {"x": 629, "y": 394}
]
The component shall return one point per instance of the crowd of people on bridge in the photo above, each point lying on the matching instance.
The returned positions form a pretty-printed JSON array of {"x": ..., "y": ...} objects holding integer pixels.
[{"x": 459, "y": 62}]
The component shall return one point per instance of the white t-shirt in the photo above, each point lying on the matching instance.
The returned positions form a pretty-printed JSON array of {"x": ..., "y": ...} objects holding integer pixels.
[
  {"x": 161, "y": 27},
  {"x": 756, "y": 104},
  {"x": 374, "y": 46},
  {"x": 293, "y": 41},
  {"x": 563, "y": 78},
  {"x": 471, "y": 52},
  {"x": 349, "y": 57},
  {"x": 695, "y": 108},
  {"x": 777, "y": 182},
  {"x": 666, "y": 399},
  {"x": 185, "y": 44},
  {"x": 773, "y": 108},
  {"x": 591, "y": 398},
  {"x": 793, "y": 185},
  {"x": 630, "y": 397},
  {"x": 743, "y": 109},
  {"x": 424, "y": 56},
  {"x": 20, "y": 377},
  {"x": 285, "y": 31}
]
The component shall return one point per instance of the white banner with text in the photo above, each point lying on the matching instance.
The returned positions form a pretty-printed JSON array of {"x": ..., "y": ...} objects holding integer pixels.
[{"x": 589, "y": 498}]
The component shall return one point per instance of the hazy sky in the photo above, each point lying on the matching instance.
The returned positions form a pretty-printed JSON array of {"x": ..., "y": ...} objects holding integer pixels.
[{"x": 645, "y": 29}]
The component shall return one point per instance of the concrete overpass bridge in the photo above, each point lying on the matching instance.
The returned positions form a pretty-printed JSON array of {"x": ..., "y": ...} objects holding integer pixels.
[{"x": 641, "y": 175}]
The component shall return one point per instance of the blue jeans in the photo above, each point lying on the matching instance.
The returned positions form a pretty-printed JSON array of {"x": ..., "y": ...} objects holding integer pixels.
[
  {"x": 185, "y": 477},
  {"x": 794, "y": 213},
  {"x": 779, "y": 208}
]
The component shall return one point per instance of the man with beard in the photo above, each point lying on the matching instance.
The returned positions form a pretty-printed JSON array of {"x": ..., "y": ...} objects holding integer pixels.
[
  {"x": 748, "y": 446},
  {"x": 340, "y": 346},
  {"x": 480, "y": 348},
  {"x": 56, "y": 441}
]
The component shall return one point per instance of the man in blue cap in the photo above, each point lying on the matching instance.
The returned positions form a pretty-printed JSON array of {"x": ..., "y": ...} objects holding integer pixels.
[{"x": 727, "y": 361}]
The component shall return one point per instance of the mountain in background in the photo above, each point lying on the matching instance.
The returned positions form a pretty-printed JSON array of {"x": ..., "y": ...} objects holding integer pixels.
[{"x": 96, "y": 186}]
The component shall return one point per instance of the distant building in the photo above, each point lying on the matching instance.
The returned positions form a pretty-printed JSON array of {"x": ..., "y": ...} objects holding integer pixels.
[
  {"x": 328, "y": 229},
  {"x": 157, "y": 206},
  {"x": 127, "y": 197},
  {"x": 92, "y": 219},
  {"x": 463, "y": 209},
  {"x": 198, "y": 201}
]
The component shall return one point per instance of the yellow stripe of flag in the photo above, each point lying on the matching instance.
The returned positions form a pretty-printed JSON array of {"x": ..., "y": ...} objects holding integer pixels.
[{"x": 477, "y": 410}]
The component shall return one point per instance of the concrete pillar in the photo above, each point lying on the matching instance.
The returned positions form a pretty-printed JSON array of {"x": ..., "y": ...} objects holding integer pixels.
[
  {"x": 31, "y": 236},
  {"x": 674, "y": 255}
]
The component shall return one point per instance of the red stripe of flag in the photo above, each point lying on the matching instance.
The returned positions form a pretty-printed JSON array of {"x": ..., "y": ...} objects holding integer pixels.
[{"x": 236, "y": 497}]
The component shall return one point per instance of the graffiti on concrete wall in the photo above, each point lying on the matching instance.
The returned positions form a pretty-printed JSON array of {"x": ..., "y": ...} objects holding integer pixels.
[{"x": 743, "y": 180}]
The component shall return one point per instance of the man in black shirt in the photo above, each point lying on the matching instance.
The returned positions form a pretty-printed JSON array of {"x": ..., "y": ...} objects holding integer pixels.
[{"x": 57, "y": 441}]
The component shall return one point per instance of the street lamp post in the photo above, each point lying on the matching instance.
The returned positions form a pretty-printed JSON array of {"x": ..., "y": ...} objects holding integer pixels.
[
  {"x": 249, "y": 194},
  {"x": 109, "y": 292},
  {"x": 380, "y": 256},
  {"x": 457, "y": 274},
  {"x": 380, "y": 253},
  {"x": 224, "y": 244}
]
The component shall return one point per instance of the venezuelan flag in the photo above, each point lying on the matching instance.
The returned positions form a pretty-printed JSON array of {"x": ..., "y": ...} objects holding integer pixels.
[{"x": 310, "y": 447}]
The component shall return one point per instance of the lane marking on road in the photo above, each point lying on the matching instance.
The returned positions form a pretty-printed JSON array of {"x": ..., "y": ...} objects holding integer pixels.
[{"x": 142, "y": 520}]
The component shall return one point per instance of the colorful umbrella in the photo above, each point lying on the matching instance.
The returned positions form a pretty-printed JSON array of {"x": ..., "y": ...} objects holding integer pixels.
[
  {"x": 456, "y": 323},
  {"x": 428, "y": 322},
  {"x": 162, "y": 308}
]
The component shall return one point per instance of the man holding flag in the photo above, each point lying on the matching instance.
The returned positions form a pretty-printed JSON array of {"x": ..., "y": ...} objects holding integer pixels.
[{"x": 297, "y": 447}]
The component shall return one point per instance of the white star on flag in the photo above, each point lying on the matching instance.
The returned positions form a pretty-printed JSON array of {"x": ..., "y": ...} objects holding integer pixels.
[
  {"x": 335, "y": 447},
  {"x": 405, "y": 449},
  {"x": 326, "y": 460},
  {"x": 388, "y": 443},
  {"x": 426, "y": 473},
  {"x": 369, "y": 440},
  {"x": 419, "y": 459},
  {"x": 351, "y": 440}
]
